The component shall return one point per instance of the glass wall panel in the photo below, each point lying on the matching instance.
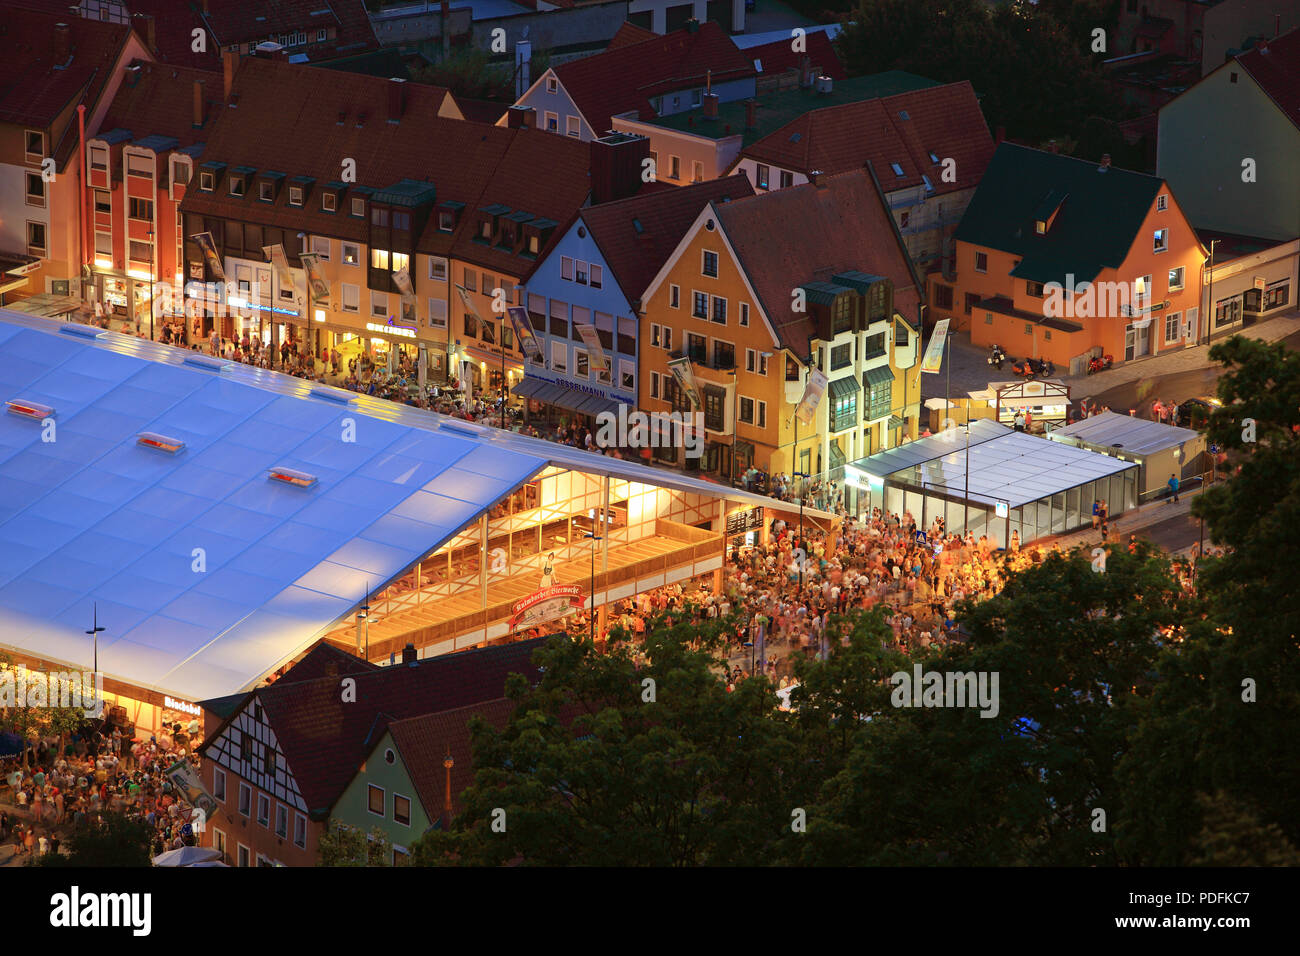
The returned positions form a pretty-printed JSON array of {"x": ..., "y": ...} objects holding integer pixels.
[
  {"x": 1087, "y": 495},
  {"x": 1072, "y": 509},
  {"x": 1058, "y": 512},
  {"x": 1130, "y": 488},
  {"x": 1044, "y": 517},
  {"x": 979, "y": 521}
]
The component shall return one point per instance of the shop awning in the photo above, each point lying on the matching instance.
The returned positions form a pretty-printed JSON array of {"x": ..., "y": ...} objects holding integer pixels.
[
  {"x": 529, "y": 387},
  {"x": 837, "y": 455},
  {"x": 554, "y": 393},
  {"x": 745, "y": 449},
  {"x": 895, "y": 422},
  {"x": 879, "y": 375},
  {"x": 844, "y": 387}
]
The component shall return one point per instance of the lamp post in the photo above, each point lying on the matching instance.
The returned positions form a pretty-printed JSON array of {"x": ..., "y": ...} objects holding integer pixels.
[
  {"x": 363, "y": 620},
  {"x": 153, "y": 261},
  {"x": 95, "y": 628},
  {"x": 447, "y": 764},
  {"x": 592, "y": 586},
  {"x": 1209, "y": 312},
  {"x": 965, "y": 521}
]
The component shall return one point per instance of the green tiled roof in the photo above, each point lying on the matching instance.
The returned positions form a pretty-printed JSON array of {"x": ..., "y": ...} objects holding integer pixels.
[
  {"x": 1100, "y": 213},
  {"x": 860, "y": 281},
  {"x": 823, "y": 293},
  {"x": 877, "y": 376},
  {"x": 406, "y": 192},
  {"x": 778, "y": 107}
]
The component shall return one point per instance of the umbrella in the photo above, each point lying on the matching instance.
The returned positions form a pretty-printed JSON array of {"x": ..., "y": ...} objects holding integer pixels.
[
  {"x": 210, "y": 863},
  {"x": 186, "y": 856}
]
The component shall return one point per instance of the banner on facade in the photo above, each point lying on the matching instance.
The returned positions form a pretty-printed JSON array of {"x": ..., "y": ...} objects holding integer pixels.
[
  {"x": 402, "y": 279},
  {"x": 468, "y": 302},
  {"x": 209, "y": 250},
  {"x": 280, "y": 262},
  {"x": 681, "y": 369},
  {"x": 599, "y": 361},
  {"x": 320, "y": 288},
  {"x": 933, "y": 357},
  {"x": 518, "y": 316},
  {"x": 812, "y": 396},
  {"x": 187, "y": 786},
  {"x": 547, "y": 604}
]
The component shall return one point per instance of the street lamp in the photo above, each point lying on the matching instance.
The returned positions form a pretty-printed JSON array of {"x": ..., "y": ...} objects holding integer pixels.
[
  {"x": 592, "y": 586},
  {"x": 153, "y": 262},
  {"x": 1209, "y": 312},
  {"x": 448, "y": 763},
  {"x": 363, "y": 617},
  {"x": 95, "y": 628},
  {"x": 804, "y": 475}
]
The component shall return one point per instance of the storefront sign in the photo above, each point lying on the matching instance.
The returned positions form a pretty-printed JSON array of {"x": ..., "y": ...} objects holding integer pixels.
[
  {"x": 172, "y": 703},
  {"x": 391, "y": 329},
  {"x": 812, "y": 396},
  {"x": 547, "y": 604},
  {"x": 518, "y": 316},
  {"x": 595, "y": 350},
  {"x": 1260, "y": 282},
  {"x": 1000, "y": 509},
  {"x": 209, "y": 248},
  {"x": 933, "y": 358}
]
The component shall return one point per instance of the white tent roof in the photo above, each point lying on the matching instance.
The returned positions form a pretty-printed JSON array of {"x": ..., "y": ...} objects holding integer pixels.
[
  {"x": 1135, "y": 436},
  {"x": 92, "y": 517}
]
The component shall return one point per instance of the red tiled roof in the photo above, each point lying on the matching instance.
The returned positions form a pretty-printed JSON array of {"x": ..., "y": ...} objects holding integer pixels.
[
  {"x": 425, "y": 741},
  {"x": 34, "y": 89},
  {"x": 808, "y": 233},
  {"x": 944, "y": 120},
  {"x": 161, "y": 102},
  {"x": 664, "y": 216},
  {"x": 1275, "y": 66},
  {"x": 174, "y": 24},
  {"x": 326, "y": 660},
  {"x": 626, "y": 78},
  {"x": 481, "y": 111},
  {"x": 628, "y": 34},
  {"x": 324, "y": 739},
  {"x": 238, "y": 21},
  {"x": 779, "y": 56}
]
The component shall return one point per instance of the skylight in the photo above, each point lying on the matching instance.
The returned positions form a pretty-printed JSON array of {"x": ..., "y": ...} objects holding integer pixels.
[
  {"x": 898, "y": 170},
  {"x": 290, "y": 477},
  {"x": 160, "y": 442},
  {"x": 32, "y": 410},
  {"x": 902, "y": 114}
]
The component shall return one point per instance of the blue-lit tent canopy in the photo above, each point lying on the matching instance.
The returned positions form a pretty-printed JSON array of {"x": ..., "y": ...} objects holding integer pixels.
[{"x": 95, "y": 517}]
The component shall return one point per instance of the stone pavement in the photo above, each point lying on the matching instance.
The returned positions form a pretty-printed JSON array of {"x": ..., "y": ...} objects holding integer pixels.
[
  {"x": 970, "y": 370},
  {"x": 1145, "y": 515}
]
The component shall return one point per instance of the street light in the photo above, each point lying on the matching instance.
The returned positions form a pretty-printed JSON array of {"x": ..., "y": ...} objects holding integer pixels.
[
  {"x": 448, "y": 763},
  {"x": 1209, "y": 312},
  {"x": 363, "y": 616},
  {"x": 95, "y": 628},
  {"x": 592, "y": 586},
  {"x": 153, "y": 262}
]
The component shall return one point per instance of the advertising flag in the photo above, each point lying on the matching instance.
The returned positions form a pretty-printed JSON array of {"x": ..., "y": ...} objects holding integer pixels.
[
  {"x": 812, "y": 396},
  {"x": 320, "y": 289},
  {"x": 468, "y": 302},
  {"x": 933, "y": 357},
  {"x": 518, "y": 316},
  {"x": 597, "y": 353},
  {"x": 209, "y": 249},
  {"x": 275, "y": 253},
  {"x": 681, "y": 369}
]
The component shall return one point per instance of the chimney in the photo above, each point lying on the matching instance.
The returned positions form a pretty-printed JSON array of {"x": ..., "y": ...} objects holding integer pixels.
[
  {"x": 229, "y": 64},
  {"x": 62, "y": 43},
  {"x": 711, "y": 106},
  {"x": 1105, "y": 163},
  {"x": 751, "y": 114},
  {"x": 144, "y": 25},
  {"x": 692, "y": 26},
  {"x": 521, "y": 117},
  {"x": 815, "y": 177},
  {"x": 616, "y": 166},
  {"x": 1000, "y": 135},
  {"x": 523, "y": 68},
  {"x": 409, "y": 656},
  {"x": 805, "y": 72},
  {"x": 198, "y": 104},
  {"x": 396, "y": 99}
]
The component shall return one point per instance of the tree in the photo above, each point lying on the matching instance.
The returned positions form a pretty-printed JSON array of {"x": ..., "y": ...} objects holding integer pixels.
[
  {"x": 1232, "y": 835},
  {"x": 605, "y": 762},
  {"x": 343, "y": 845},
  {"x": 32, "y": 717},
  {"x": 1226, "y": 711},
  {"x": 118, "y": 840}
]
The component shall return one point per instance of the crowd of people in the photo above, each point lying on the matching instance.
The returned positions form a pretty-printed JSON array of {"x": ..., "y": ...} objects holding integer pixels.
[{"x": 56, "y": 792}]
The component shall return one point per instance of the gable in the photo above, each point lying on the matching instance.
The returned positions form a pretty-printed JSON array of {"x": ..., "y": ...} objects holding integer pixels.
[{"x": 240, "y": 747}]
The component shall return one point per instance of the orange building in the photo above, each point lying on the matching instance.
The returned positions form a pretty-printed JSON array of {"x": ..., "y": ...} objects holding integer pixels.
[
  {"x": 763, "y": 288},
  {"x": 1058, "y": 258}
]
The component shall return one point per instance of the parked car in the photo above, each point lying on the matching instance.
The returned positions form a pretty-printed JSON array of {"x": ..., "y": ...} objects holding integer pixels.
[{"x": 1195, "y": 412}]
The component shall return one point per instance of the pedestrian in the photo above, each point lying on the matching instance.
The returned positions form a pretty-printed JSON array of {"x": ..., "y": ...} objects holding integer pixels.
[
  {"x": 1173, "y": 487},
  {"x": 1096, "y": 513}
]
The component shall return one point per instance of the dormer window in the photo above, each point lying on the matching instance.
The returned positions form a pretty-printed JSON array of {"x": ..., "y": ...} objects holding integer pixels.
[
  {"x": 358, "y": 207},
  {"x": 1040, "y": 227},
  {"x": 207, "y": 182},
  {"x": 327, "y": 202},
  {"x": 446, "y": 222},
  {"x": 295, "y": 195},
  {"x": 266, "y": 192},
  {"x": 534, "y": 245},
  {"x": 485, "y": 229},
  {"x": 236, "y": 185}
]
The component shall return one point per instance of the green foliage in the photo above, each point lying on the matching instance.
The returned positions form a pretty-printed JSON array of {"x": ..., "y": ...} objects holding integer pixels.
[
  {"x": 117, "y": 841},
  {"x": 469, "y": 72},
  {"x": 1036, "y": 75},
  {"x": 343, "y": 845},
  {"x": 1232, "y": 835}
]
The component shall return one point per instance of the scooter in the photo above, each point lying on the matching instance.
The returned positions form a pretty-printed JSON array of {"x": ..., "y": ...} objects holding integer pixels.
[
  {"x": 1101, "y": 363},
  {"x": 1025, "y": 370}
]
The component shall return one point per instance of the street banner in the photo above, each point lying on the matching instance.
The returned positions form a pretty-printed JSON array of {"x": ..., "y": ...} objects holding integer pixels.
[
  {"x": 280, "y": 262},
  {"x": 320, "y": 289},
  {"x": 468, "y": 302},
  {"x": 188, "y": 787},
  {"x": 209, "y": 249},
  {"x": 812, "y": 396},
  {"x": 518, "y": 316},
  {"x": 422, "y": 367},
  {"x": 681, "y": 369},
  {"x": 402, "y": 279},
  {"x": 595, "y": 350},
  {"x": 933, "y": 357}
]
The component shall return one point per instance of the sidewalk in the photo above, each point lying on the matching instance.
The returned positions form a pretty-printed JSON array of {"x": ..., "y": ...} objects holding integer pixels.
[
  {"x": 1184, "y": 360},
  {"x": 1143, "y": 516}
]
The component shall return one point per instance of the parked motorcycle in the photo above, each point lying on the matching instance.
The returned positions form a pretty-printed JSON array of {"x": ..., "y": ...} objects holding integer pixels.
[
  {"x": 1101, "y": 363},
  {"x": 997, "y": 356}
]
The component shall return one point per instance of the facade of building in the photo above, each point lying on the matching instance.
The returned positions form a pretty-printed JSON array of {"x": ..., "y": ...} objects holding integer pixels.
[
  {"x": 71, "y": 62},
  {"x": 595, "y": 275},
  {"x": 659, "y": 77},
  {"x": 759, "y": 290},
  {"x": 1229, "y": 144},
  {"x": 1058, "y": 258},
  {"x": 665, "y": 16},
  {"x": 1207, "y": 31}
]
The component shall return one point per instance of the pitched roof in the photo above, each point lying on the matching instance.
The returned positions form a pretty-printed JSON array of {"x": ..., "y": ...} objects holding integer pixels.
[
  {"x": 776, "y": 108},
  {"x": 324, "y": 739},
  {"x": 779, "y": 56},
  {"x": 425, "y": 741},
  {"x": 1095, "y": 228},
  {"x": 906, "y": 129},
  {"x": 160, "y": 102},
  {"x": 1275, "y": 66},
  {"x": 174, "y": 24},
  {"x": 636, "y": 236},
  {"x": 326, "y": 660},
  {"x": 34, "y": 89},
  {"x": 625, "y": 79},
  {"x": 810, "y": 233},
  {"x": 628, "y": 34}
]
